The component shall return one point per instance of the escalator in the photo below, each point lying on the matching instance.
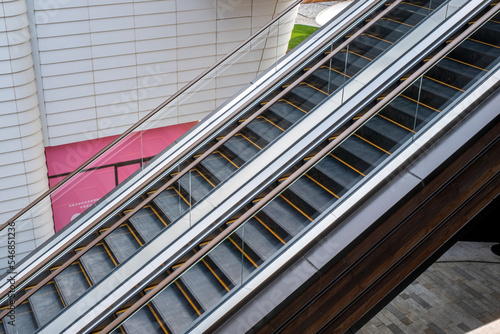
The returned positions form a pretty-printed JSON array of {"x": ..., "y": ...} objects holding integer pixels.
[
  {"x": 173, "y": 201},
  {"x": 115, "y": 241},
  {"x": 233, "y": 260}
]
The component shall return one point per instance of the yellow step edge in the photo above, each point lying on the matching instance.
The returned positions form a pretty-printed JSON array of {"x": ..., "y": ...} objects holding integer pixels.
[
  {"x": 462, "y": 62},
  {"x": 80, "y": 248},
  {"x": 204, "y": 243},
  {"x": 322, "y": 186},
  {"x": 295, "y": 207},
  {"x": 478, "y": 41},
  {"x": 229, "y": 222},
  {"x": 175, "y": 266},
  {"x": 396, "y": 123},
  {"x": 423, "y": 104},
  {"x": 443, "y": 83},
  {"x": 186, "y": 296},
  {"x": 244, "y": 253},
  {"x": 215, "y": 274},
  {"x": 411, "y": 4},
  {"x": 369, "y": 142},
  {"x": 348, "y": 165},
  {"x": 373, "y": 36},
  {"x": 293, "y": 105},
  {"x": 270, "y": 230},
  {"x": 405, "y": 24}
]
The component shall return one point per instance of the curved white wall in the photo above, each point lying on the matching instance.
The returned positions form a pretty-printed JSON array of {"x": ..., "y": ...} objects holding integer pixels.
[{"x": 23, "y": 173}]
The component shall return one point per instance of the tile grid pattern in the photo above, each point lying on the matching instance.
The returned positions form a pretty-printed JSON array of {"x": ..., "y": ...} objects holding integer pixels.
[{"x": 451, "y": 296}]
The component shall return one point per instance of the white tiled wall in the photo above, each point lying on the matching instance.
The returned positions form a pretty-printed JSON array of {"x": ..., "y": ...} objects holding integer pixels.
[
  {"x": 106, "y": 63},
  {"x": 23, "y": 173}
]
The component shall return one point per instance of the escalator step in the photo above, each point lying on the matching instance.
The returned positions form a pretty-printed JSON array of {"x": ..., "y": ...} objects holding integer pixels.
[
  {"x": 327, "y": 80},
  {"x": 46, "y": 303},
  {"x": 383, "y": 133},
  {"x": 72, "y": 283},
  {"x": 171, "y": 204},
  {"x": 260, "y": 239},
  {"x": 306, "y": 97},
  {"x": 143, "y": 321},
  {"x": 97, "y": 263},
  {"x": 287, "y": 113},
  {"x": 122, "y": 243},
  {"x": 308, "y": 192},
  {"x": 355, "y": 63},
  {"x": 405, "y": 112},
  {"x": 203, "y": 284},
  {"x": 285, "y": 215},
  {"x": 433, "y": 4},
  {"x": 147, "y": 223},
  {"x": 196, "y": 185},
  {"x": 230, "y": 260},
  {"x": 475, "y": 53},
  {"x": 390, "y": 30},
  {"x": 219, "y": 166},
  {"x": 410, "y": 14},
  {"x": 454, "y": 73},
  {"x": 368, "y": 46},
  {"x": 25, "y": 321},
  {"x": 489, "y": 33},
  {"x": 335, "y": 175},
  {"x": 431, "y": 93},
  {"x": 359, "y": 154},
  {"x": 242, "y": 148},
  {"x": 263, "y": 131},
  {"x": 174, "y": 309}
]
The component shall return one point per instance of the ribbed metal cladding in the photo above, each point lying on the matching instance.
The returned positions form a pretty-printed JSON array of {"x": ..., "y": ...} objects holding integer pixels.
[
  {"x": 23, "y": 173},
  {"x": 105, "y": 64}
]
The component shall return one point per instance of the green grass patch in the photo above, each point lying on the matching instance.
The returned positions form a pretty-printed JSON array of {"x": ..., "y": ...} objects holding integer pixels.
[{"x": 299, "y": 33}]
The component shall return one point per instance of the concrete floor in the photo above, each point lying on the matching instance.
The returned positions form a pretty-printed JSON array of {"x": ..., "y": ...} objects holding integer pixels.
[
  {"x": 458, "y": 293},
  {"x": 308, "y": 12}
]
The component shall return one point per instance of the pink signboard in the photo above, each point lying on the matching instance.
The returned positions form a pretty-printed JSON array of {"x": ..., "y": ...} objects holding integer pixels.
[{"x": 88, "y": 187}]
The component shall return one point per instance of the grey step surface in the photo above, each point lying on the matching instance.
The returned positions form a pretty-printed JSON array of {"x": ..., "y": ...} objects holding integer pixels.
[
  {"x": 204, "y": 286},
  {"x": 72, "y": 283},
  {"x": 178, "y": 317},
  {"x": 122, "y": 243},
  {"x": 147, "y": 223},
  {"x": 97, "y": 263}
]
